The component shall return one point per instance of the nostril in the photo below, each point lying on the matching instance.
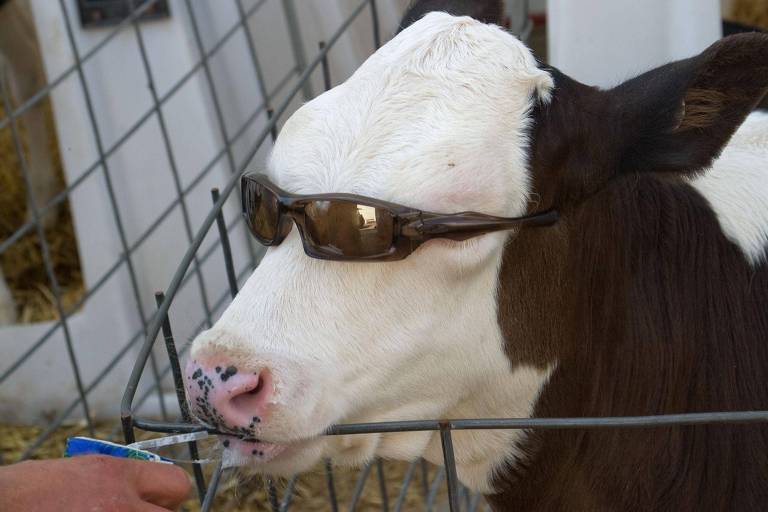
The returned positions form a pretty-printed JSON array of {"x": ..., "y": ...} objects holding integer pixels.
[
  {"x": 258, "y": 388},
  {"x": 250, "y": 400}
]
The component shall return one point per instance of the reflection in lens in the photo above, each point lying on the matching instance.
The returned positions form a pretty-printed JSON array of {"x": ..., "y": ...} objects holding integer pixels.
[
  {"x": 349, "y": 229},
  {"x": 262, "y": 208}
]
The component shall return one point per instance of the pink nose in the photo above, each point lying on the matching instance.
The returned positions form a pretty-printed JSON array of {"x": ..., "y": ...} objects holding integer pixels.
[{"x": 228, "y": 397}]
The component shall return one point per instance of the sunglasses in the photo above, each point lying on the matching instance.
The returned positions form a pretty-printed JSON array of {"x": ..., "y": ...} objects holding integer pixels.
[{"x": 347, "y": 227}]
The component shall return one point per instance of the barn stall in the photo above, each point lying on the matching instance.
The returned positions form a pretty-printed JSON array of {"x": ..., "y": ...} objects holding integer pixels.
[{"x": 138, "y": 140}]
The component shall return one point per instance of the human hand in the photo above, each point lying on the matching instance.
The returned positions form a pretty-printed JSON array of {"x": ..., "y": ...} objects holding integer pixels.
[{"x": 92, "y": 483}]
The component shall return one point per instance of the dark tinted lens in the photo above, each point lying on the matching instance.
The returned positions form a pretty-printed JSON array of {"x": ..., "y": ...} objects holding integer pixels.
[
  {"x": 263, "y": 211},
  {"x": 349, "y": 229}
]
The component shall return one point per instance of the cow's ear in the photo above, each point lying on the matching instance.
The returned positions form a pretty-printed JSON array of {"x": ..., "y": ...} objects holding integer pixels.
[{"x": 679, "y": 117}]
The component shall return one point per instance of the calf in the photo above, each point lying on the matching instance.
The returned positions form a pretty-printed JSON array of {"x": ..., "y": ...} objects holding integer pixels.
[{"x": 647, "y": 296}]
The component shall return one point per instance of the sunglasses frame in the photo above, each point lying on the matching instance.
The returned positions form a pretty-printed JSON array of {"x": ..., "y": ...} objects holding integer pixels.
[{"x": 411, "y": 227}]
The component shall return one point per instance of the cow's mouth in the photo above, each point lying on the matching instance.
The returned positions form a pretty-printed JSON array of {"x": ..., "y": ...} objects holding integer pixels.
[{"x": 257, "y": 450}]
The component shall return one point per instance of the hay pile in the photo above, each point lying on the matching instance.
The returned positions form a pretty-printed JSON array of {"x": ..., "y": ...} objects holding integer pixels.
[
  {"x": 750, "y": 12},
  {"x": 22, "y": 263},
  {"x": 236, "y": 492}
]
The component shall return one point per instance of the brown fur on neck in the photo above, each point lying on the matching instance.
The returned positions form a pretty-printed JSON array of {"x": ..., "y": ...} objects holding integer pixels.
[{"x": 646, "y": 308}]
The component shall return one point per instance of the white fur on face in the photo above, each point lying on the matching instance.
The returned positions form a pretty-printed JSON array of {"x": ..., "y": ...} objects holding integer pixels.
[
  {"x": 436, "y": 120},
  {"x": 736, "y": 187}
]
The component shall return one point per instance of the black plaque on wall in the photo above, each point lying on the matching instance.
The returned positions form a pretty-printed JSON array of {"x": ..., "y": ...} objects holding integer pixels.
[{"x": 100, "y": 13}]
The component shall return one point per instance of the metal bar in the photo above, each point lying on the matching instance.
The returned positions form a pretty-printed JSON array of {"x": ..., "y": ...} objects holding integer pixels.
[
  {"x": 181, "y": 396},
  {"x": 434, "y": 488},
  {"x": 173, "y": 359},
  {"x": 424, "y": 477},
  {"x": 273, "y": 131},
  {"x": 400, "y": 501},
  {"x": 297, "y": 45},
  {"x": 475, "y": 502},
  {"x": 375, "y": 21},
  {"x": 451, "y": 479},
  {"x": 331, "y": 487},
  {"x": 359, "y": 486},
  {"x": 288, "y": 495},
  {"x": 252, "y": 52},
  {"x": 45, "y": 251},
  {"x": 326, "y": 68},
  {"x": 667, "y": 420},
  {"x": 210, "y": 493},
  {"x": 225, "y": 247},
  {"x": 156, "y": 376},
  {"x": 171, "y": 158},
  {"x": 382, "y": 485},
  {"x": 142, "y": 238},
  {"x": 466, "y": 497},
  {"x": 272, "y": 495},
  {"x": 173, "y": 287},
  {"x": 555, "y": 423}
]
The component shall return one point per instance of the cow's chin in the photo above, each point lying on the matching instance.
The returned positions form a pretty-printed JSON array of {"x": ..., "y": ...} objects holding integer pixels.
[
  {"x": 281, "y": 460},
  {"x": 286, "y": 460}
]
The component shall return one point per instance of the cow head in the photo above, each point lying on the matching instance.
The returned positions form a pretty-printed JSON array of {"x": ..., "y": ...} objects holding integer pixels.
[{"x": 438, "y": 119}]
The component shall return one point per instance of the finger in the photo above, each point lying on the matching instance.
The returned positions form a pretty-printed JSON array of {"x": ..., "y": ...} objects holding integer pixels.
[
  {"x": 165, "y": 485},
  {"x": 149, "y": 507}
]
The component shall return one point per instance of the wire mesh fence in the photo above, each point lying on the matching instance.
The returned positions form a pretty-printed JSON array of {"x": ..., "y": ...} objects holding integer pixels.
[
  {"x": 435, "y": 485},
  {"x": 293, "y": 84}
]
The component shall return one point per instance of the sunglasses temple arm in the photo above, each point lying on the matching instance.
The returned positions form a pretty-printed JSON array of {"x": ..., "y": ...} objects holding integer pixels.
[{"x": 458, "y": 227}]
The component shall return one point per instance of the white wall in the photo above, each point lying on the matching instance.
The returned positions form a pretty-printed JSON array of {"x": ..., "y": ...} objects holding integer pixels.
[{"x": 603, "y": 42}]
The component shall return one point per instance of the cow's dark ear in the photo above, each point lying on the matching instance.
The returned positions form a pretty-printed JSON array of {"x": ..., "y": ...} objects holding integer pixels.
[
  {"x": 487, "y": 11},
  {"x": 680, "y": 116}
]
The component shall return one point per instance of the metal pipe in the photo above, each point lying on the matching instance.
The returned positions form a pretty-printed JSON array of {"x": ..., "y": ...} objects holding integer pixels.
[
  {"x": 326, "y": 68},
  {"x": 331, "y": 487},
  {"x": 181, "y": 396},
  {"x": 297, "y": 45},
  {"x": 375, "y": 21},
  {"x": 450, "y": 466},
  {"x": 225, "y": 247},
  {"x": 210, "y": 493}
]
